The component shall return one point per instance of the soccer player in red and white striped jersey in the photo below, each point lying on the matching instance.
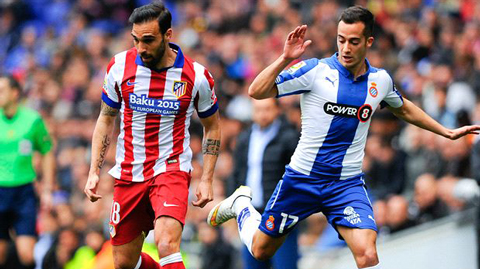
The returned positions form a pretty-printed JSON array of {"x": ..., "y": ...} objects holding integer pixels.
[{"x": 155, "y": 89}]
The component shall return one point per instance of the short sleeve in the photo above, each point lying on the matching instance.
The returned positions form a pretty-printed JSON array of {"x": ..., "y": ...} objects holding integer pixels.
[
  {"x": 206, "y": 99},
  {"x": 110, "y": 93},
  {"x": 393, "y": 97},
  {"x": 42, "y": 142},
  {"x": 298, "y": 78}
]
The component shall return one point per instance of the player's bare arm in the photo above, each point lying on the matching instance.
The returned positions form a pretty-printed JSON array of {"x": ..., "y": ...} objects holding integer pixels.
[
  {"x": 264, "y": 84},
  {"x": 211, "y": 149},
  {"x": 48, "y": 179},
  {"x": 410, "y": 113},
  {"x": 102, "y": 136}
]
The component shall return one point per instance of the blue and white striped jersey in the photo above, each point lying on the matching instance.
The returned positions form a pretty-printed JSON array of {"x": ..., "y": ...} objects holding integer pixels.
[{"x": 336, "y": 113}]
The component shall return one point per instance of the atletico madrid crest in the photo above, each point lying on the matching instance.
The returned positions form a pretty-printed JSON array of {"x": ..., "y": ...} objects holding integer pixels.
[
  {"x": 113, "y": 231},
  {"x": 179, "y": 88}
]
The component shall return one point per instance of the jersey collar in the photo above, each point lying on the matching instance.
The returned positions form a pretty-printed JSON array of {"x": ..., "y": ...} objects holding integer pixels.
[
  {"x": 344, "y": 71},
  {"x": 179, "y": 60}
]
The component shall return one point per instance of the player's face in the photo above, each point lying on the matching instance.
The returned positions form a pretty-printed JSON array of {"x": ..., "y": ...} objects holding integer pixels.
[
  {"x": 265, "y": 111},
  {"x": 7, "y": 94},
  {"x": 352, "y": 44},
  {"x": 149, "y": 42}
]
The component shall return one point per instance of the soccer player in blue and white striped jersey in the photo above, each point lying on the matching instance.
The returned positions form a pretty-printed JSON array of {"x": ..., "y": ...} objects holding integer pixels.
[{"x": 338, "y": 97}]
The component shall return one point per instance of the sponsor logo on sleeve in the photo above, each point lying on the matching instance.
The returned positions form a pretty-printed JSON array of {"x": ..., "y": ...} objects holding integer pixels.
[
  {"x": 295, "y": 67},
  {"x": 362, "y": 113},
  {"x": 105, "y": 83},
  {"x": 141, "y": 103}
]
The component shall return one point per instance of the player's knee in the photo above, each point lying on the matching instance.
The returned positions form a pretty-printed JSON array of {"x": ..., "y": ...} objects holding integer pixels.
[
  {"x": 367, "y": 257},
  {"x": 167, "y": 246},
  {"x": 26, "y": 257},
  {"x": 124, "y": 262}
]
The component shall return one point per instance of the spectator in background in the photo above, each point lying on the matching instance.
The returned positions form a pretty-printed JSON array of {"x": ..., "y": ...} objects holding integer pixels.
[
  {"x": 62, "y": 250},
  {"x": 216, "y": 252},
  {"x": 385, "y": 174},
  {"x": 426, "y": 205},
  {"x": 397, "y": 218},
  {"x": 261, "y": 153},
  {"x": 22, "y": 133}
]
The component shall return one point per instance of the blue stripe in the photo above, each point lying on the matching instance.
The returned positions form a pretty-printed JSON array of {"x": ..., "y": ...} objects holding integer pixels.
[
  {"x": 286, "y": 76},
  {"x": 209, "y": 112},
  {"x": 342, "y": 130},
  {"x": 109, "y": 102},
  {"x": 291, "y": 93}
]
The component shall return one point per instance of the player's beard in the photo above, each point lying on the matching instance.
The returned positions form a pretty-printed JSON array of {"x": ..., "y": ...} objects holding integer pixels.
[{"x": 160, "y": 53}]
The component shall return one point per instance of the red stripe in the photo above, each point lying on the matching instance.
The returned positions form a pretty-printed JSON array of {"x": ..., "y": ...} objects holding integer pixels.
[
  {"x": 211, "y": 84},
  {"x": 209, "y": 78},
  {"x": 188, "y": 75},
  {"x": 129, "y": 74},
  {"x": 152, "y": 124},
  {"x": 110, "y": 64},
  {"x": 118, "y": 93}
]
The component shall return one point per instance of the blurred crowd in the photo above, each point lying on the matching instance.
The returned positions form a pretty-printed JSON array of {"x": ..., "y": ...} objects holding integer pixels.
[{"x": 59, "y": 50}]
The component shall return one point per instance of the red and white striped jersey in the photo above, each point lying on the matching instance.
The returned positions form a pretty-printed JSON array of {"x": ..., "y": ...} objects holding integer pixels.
[{"x": 155, "y": 111}]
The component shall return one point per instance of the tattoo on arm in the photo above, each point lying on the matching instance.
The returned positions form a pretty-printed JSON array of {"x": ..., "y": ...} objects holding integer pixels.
[
  {"x": 211, "y": 147},
  {"x": 108, "y": 110},
  {"x": 103, "y": 151}
]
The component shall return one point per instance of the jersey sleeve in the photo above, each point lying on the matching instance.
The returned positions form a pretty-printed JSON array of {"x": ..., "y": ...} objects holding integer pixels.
[
  {"x": 110, "y": 93},
  {"x": 206, "y": 103},
  {"x": 393, "y": 97},
  {"x": 297, "y": 79},
  {"x": 42, "y": 142}
]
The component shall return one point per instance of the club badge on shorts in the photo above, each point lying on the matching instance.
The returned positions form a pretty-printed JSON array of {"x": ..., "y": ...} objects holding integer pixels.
[
  {"x": 112, "y": 230},
  {"x": 179, "y": 88},
  {"x": 270, "y": 223}
]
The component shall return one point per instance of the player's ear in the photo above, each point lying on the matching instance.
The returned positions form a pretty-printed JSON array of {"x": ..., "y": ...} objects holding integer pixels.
[
  {"x": 370, "y": 41},
  {"x": 168, "y": 34}
]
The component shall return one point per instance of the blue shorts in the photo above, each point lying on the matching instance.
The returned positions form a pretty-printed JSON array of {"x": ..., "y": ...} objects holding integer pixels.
[
  {"x": 18, "y": 210},
  {"x": 297, "y": 196}
]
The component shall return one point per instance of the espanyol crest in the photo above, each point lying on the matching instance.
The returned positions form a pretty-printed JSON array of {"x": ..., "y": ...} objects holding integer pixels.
[
  {"x": 179, "y": 88},
  {"x": 373, "y": 90}
]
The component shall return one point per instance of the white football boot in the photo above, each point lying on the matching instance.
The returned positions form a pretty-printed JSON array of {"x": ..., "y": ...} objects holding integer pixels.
[{"x": 224, "y": 210}]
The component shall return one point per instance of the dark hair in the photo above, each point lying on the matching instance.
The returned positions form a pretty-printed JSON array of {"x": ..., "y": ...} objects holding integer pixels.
[
  {"x": 154, "y": 11},
  {"x": 359, "y": 14},
  {"x": 13, "y": 83}
]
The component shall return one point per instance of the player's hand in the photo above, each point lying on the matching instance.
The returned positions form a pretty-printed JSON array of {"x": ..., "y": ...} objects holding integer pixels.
[
  {"x": 204, "y": 193},
  {"x": 91, "y": 188},
  {"x": 462, "y": 131},
  {"x": 295, "y": 45}
]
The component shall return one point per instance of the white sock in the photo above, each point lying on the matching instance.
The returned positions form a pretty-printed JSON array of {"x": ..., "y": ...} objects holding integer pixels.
[
  {"x": 172, "y": 258},
  {"x": 138, "y": 263},
  {"x": 248, "y": 220},
  {"x": 373, "y": 267}
]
